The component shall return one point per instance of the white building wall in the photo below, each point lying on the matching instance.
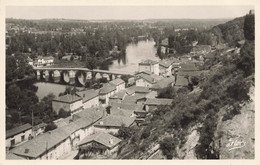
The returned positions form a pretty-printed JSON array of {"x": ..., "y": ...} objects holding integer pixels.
[
  {"x": 94, "y": 102},
  {"x": 18, "y": 138},
  {"x": 156, "y": 69},
  {"x": 105, "y": 129},
  {"x": 143, "y": 83},
  {"x": 144, "y": 68}
]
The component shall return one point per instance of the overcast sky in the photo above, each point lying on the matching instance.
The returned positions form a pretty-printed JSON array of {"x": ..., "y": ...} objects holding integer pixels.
[{"x": 126, "y": 12}]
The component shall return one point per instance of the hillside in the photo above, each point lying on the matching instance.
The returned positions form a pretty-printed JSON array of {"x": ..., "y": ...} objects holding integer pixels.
[
  {"x": 199, "y": 123},
  {"x": 230, "y": 32}
]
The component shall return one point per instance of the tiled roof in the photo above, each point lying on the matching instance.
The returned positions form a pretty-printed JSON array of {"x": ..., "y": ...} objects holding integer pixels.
[
  {"x": 133, "y": 99},
  {"x": 189, "y": 73},
  {"x": 37, "y": 146},
  {"x": 119, "y": 95},
  {"x": 165, "y": 63},
  {"x": 129, "y": 91},
  {"x": 138, "y": 89},
  {"x": 163, "y": 83},
  {"x": 189, "y": 66},
  {"x": 115, "y": 121},
  {"x": 87, "y": 95},
  {"x": 148, "y": 62},
  {"x": 150, "y": 78},
  {"x": 158, "y": 101},
  {"x": 18, "y": 130},
  {"x": 11, "y": 156},
  {"x": 68, "y": 98},
  {"x": 181, "y": 81},
  {"x": 117, "y": 81},
  {"x": 121, "y": 112},
  {"x": 41, "y": 125},
  {"x": 107, "y": 88},
  {"x": 126, "y": 106},
  {"x": 145, "y": 72},
  {"x": 102, "y": 138}
]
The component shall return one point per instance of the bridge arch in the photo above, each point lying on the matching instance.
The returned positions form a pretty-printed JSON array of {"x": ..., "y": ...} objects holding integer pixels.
[{"x": 80, "y": 77}]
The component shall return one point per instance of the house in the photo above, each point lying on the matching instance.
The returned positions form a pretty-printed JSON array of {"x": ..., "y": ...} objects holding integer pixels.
[
  {"x": 145, "y": 80},
  {"x": 61, "y": 141},
  {"x": 30, "y": 61},
  {"x": 188, "y": 66},
  {"x": 139, "y": 89},
  {"x": 136, "y": 99},
  {"x": 118, "y": 97},
  {"x": 119, "y": 83},
  {"x": 90, "y": 98},
  {"x": 50, "y": 145},
  {"x": 153, "y": 103},
  {"x": 112, "y": 123},
  {"x": 39, "y": 129},
  {"x": 181, "y": 81},
  {"x": 68, "y": 102},
  {"x": 127, "y": 106},
  {"x": 166, "y": 82},
  {"x": 106, "y": 92},
  {"x": 165, "y": 68},
  {"x": 66, "y": 57},
  {"x": 201, "y": 49},
  {"x": 17, "y": 135},
  {"x": 109, "y": 143},
  {"x": 149, "y": 65},
  {"x": 44, "y": 61},
  {"x": 11, "y": 156}
]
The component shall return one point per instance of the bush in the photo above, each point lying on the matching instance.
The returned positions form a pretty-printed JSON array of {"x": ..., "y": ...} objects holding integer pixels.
[
  {"x": 168, "y": 92},
  {"x": 167, "y": 145},
  {"x": 50, "y": 126},
  {"x": 146, "y": 133},
  {"x": 63, "y": 113}
]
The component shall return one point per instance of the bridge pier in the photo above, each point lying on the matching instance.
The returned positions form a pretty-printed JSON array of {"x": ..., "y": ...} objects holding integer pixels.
[
  {"x": 113, "y": 77},
  {"x": 72, "y": 77},
  {"x": 56, "y": 76},
  {"x": 106, "y": 76},
  {"x": 46, "y": 75},
  {"x": 38, "y": 74},
  {"x": 88, "y": 75}
]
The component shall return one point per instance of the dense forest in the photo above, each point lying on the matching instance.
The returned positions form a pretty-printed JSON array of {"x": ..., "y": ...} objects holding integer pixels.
[{"x": 226, "y": 83}]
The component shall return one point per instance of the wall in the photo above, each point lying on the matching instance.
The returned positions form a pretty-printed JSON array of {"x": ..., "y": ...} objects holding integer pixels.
[
  {"x": 143, "y": 83},
  {"x": 94, "y": 102},
  {"x": 144, "y": 68},
  {"x": 156, "y": 69},
  {"x": 18, "y": 138},
  {"x": 56, "y": 106},
  {"x": 105, "y": 129}
]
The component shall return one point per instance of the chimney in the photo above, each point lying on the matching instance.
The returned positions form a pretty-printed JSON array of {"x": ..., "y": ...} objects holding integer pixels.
[
  {"x": 111, "y": 141},
  {"x": 101, "y": 122}
]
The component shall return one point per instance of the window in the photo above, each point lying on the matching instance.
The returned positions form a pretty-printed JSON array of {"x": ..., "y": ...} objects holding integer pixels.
[
  {"x": 22, "y": 138},
  {"x": 13, "y": 142}
]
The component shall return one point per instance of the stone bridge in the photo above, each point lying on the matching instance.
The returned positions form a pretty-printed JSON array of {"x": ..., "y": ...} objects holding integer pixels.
[{"x": 71, "y": 75}]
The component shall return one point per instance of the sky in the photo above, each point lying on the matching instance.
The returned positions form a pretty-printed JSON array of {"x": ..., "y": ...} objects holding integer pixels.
[{"x": 126, "y": 12}]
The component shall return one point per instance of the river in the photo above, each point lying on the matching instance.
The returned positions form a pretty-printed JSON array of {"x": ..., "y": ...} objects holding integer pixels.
[{"x": 128, "y": 62}]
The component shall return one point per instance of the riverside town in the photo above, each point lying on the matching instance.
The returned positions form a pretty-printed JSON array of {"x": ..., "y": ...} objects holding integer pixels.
[{"x": 129, "y": 86}]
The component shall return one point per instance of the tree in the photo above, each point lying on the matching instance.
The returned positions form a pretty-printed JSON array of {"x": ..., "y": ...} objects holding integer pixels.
[
  {"x": 194, "y": 80},
  {"x": 63, "y": 113},
  {"x": 168, "y": 92},
  {"x": 124, "y": 132},
  {"x": 247, "y": 60},
  {"x": 167, "y": 145},
  {"x": 50, "y": 126},
  {"x": 249, "y": 27}
]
